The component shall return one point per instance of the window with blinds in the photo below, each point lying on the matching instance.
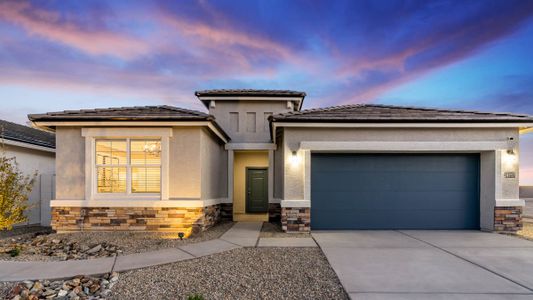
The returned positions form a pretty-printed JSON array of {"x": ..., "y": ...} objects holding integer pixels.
[{"x": 128, "y": 166}]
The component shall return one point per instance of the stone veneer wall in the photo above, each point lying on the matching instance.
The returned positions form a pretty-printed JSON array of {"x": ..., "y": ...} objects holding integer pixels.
[
  {"x": 296, "y": 219},
  {"x": 508, "y": 219},
  {"x": 274, "y": 212},
  {"x": 188, "y": 220}
]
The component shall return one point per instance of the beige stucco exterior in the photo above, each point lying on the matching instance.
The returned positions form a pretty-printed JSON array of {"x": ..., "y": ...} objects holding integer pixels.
[
  {"x": 70, "y": 164},
  {"x": 196, "y": 163},
  {"x": 261, "y": 110},
  {"x": 242, "y": 160}
]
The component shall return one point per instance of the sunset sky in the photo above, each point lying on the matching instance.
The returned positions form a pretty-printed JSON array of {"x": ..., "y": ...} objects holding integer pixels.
[{"x": 477, "y": 55}]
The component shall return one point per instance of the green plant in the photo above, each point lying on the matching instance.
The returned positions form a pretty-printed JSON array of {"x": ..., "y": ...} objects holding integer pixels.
[
  {"x": 195, "y": 297},
  {"x": 15, "y": 188},
  {"x": 14, "y": 252}
]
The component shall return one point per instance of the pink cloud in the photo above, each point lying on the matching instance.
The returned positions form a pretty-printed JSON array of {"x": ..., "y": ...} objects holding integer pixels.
[{"x": 49, "y": 25}]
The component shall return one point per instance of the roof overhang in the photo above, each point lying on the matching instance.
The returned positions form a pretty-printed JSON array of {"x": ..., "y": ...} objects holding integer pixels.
[
  {"x": 211, "y": 125},
  {"x": 26, "y": 145},
  {"x": 298, "y": 100},
  {"x": 523, "y": 127}
]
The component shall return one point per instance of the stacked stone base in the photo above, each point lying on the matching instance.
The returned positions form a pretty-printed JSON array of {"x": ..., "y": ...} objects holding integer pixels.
[
  {"x": 296, "y": 219},
  {"x": 508, "y": 219},
  {"x": 174, "y": 219}
]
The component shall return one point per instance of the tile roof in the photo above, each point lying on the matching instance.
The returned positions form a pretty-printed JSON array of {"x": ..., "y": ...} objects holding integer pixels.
[
  {"x": 389, "y": 113},
  {"x": 25, "y": 134},
  {"x": 136, "y": 113},
  {"x": 250, "y": 92}
]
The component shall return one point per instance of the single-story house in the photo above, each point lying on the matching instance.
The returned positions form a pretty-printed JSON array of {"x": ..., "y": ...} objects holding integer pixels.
[
  {"x": 34, "y": 151},
  {"x": 256, "y": 155}
]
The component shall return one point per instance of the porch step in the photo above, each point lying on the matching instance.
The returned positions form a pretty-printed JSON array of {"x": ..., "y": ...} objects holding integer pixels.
[{"x": 237, "y": 217}]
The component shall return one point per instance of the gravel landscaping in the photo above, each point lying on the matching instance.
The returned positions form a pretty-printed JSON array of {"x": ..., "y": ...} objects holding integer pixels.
[
  {"x": 36, "y": 246},
  {"x": 527, "y": 231},
  {"x": 273, "y": 230},
  {"x": 246, "y": 273}
]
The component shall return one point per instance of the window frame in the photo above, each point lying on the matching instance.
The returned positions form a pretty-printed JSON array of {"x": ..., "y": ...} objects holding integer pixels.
[
  {"x": 162, "y": 134},
  {"x": 129, "y": 166}
]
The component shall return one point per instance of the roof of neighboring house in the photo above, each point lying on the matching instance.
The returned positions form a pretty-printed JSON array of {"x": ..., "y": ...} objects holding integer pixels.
[
  {"x": 25, "y": 134},
  {"x": 392, "y": 114},
  {"x": 250, "y": 92},
  {"x": 135, "y": 113}
]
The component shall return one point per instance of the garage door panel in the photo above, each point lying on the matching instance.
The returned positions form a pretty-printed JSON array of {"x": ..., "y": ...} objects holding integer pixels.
[
  {"x": 382, "y": 200},
  {"x": 406, "y": 219},
  {"x": 377, "y": 191}
]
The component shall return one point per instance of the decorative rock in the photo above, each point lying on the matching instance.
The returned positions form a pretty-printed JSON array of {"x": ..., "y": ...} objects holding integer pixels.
[
  {"x": 60, "y": 248},
  {"x": 94, "y": 249},
  {"x": 79, "y": 287}
]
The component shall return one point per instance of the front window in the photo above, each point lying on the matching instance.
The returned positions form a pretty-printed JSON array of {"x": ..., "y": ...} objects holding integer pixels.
[{"x": 128, "y": 166}]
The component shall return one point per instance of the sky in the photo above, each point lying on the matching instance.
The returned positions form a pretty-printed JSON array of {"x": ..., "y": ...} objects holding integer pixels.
[{"x": 476, "y": 55}]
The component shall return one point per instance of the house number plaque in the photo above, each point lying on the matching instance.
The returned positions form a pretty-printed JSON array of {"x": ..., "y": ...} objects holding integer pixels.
[{"x": 509, "y": 175}]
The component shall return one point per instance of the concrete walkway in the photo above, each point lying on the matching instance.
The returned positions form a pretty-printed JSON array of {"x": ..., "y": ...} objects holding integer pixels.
[
  {"x": 429, "y": 264},
  {"x": 242, "y": 234}
]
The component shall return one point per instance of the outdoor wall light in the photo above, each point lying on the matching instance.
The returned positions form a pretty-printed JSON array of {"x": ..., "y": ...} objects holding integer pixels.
[
  {"x": 294, "y": 159},
  {"x": 510, "y": 158}
]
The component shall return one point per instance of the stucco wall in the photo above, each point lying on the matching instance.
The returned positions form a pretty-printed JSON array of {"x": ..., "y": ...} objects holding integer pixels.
[
  {"x": 241, "y": 161},
  {"x": 29, "y": 161},
  {"x": 185, "y": 170},
  {"x": 493, "y": 165},
  {"x": 214, "y": 167},
  {"x": 222, "y": 111},
  {"x": 278, "y": 169},
  {"x": 70, "y": 164}
]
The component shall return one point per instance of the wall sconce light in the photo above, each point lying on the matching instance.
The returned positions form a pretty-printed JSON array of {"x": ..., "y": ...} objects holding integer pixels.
[
  {"x": 510, "y": 158},
  {"x": 294, "y": 159}
]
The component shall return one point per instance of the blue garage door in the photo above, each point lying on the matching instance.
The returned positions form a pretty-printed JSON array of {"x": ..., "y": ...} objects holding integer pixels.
[{"x": 395, "y": 191}]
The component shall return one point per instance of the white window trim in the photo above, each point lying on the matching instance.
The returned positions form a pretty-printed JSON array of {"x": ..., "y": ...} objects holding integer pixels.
[{"x": 92, "y": 134}]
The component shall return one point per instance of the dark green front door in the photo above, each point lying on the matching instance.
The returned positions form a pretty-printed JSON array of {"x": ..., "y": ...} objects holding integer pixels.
[{"x": 256, "y": 190}]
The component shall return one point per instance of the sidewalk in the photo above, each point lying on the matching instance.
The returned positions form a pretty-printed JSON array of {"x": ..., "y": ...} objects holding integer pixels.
[{"x": 242, "y": 234}]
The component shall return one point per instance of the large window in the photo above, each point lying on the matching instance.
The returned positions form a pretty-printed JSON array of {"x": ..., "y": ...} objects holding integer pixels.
[{"x": 128, "y": 166}]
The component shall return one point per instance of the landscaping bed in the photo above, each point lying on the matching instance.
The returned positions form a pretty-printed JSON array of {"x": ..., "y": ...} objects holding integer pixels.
[
  {"x": 246, "y": 273},
  {"x": 46, "y": 246},
  {"x": 79, "y": 287},
  {"x": 273, "y": 230}
]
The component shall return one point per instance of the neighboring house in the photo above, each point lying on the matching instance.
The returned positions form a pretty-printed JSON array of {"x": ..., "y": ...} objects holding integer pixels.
[
  {"x": 34, "y": 150},
  {"x": 257, "y": 156}
]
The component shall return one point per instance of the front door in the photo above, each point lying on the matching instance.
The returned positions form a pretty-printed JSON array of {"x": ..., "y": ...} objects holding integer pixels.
[{"x": 256, "y": 190}]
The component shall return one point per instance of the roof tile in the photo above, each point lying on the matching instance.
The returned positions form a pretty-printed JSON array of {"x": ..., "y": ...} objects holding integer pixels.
[
  {"x": 25, "y": 134},
  {"x": 389, "y": 113}
]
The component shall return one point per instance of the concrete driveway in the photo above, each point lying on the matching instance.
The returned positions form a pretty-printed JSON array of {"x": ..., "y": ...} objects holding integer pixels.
[{"x": 430, "y": 264}]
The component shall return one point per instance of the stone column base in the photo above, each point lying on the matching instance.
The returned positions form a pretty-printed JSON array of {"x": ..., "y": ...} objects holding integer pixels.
[
  {"x": 296, "y": 219},
  {"x": 508, "y": 219}
]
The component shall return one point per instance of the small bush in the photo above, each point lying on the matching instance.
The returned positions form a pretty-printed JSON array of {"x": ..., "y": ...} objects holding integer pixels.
[
  {"x": 195, "y": 297},
  {"x": 14, "y": 252}
]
